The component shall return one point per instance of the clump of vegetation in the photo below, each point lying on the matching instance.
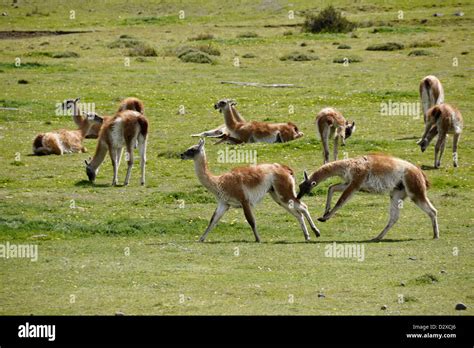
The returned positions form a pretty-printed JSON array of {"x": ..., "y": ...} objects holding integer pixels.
[
  {"x": 388, "y": 46},
  {"x": 142, "y": 50},
  {"x": 427, "y": 278},
  {"x": 344, "y": 47},
  {"x": 22, "y": 82},
  {"x": 247, "y": 35},
  {"x": 208, "y": 49},
  {"x": 124, "y": 41},
  {"x": 417, "y": 53},
  {"x": 249, "y": 55},
  {"x": 351, "y": 59},
  {"x": 424, "y": 44},
  {"x": 201, "y": 37},
  {"x": 141, "y": 60},
  {"x": 328, "y": 20},
  {"x": 66, "y": 54},
  {"x": 287, "y": 33},
  {"x": 196, "y": 57},
  {"x": 299, "y": 57}
]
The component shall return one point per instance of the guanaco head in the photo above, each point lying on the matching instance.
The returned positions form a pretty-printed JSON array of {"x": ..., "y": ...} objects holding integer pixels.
[
  {"x": 350, "y": 128},
  {"x": 306, "y": 185},
  {"x": 221, "y": 104},
  {"x": 193, "y": 151},
  {"x": 296, "y": 132},
  {"x": 423, "y": 144},
  {"x": 92, "y": 123},
  {"x": 90, "y": 171}
]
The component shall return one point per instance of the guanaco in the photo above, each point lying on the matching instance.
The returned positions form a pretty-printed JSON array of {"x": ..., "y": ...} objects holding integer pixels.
[
  {"x": 252, "y": 132},
  {"x": 431, "y": 93},
  {"x": 331, "y": 124},
  {"x": 66, "y": 141},
  {"x": 125, "y": 128},
  {"x": 442, "y": 120},
  {"x": 245, "y": 187},
  {"x": 375, "y": 173}
]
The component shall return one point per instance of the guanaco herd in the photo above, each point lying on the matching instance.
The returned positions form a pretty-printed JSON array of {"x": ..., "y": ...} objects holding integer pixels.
[{"x": 245, "y": 187}]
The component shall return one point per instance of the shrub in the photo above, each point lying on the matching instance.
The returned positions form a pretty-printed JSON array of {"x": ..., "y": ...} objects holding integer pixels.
[
  {"x": 142, "y": 50},
  {"x": 126, "y": 42},
  {"x": 344, "y": 47},
  {"x": 247, "y": 35},
  {"x": 328, "y": 20},
  {"x": 287, "y": 33},
  {"x": 196, "y": 57},
  {"x": 351, "y": 59},
  {"x": 66, "y": 54},
  {"x": 388, "y": 46},
  {"x": 420, "y": 53},
  {"x": 208, "y": 49},
  {"x": 424, "y": 44},
  {"x": 202, "y": 37},
  {"x": 299, "y": 57}
]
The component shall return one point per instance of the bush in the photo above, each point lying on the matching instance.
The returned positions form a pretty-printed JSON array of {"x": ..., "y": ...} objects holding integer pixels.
[
  {"x": 351, "y": 59},
  {"x": 208, "y": 49},
  {"x": 142, "y": 50},
  {"x": 65, "y": 55},
  {"x": 287, "y": 33},
  {"x": 424, "y": 44},
  {"x": 249, "y": 55},
  {"x": 344, "y": 47},
  {"x": 247, "y": 35},
  {"x": 420, "y": 53},
  {"x": 328, "y": 21},
  {"x": 299, "y": 57},
  {"x": 202, "y": 37},
  {"x": 125, "y": 41},
  {"x": 196, "y": 57},
  {"x": 388, "y": 46}
]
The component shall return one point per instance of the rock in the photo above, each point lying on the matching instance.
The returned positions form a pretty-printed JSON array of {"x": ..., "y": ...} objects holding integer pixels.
[
  {"x": 438, "y": 15},
  {"x": 423, "y": 21},
  {"x": 4, "y": 14},
  {"x": 384, "y": 307},
  {"x": 442, "y": 271},
  {"x": 402, "y": 284},
  {"x": 460, "y": 306},
  {"x": 459, "y": 14},
  {"x": 413, "y": 258},
  {"x": 321, "y": 295},
  {"x": 119, "y": 314}
]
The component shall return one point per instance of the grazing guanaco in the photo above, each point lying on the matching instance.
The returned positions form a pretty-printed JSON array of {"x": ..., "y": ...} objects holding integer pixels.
[
  {"x": 125, "y": 128},
  {"x": 442, "y": 120},
  {"x": 245, "y": 187},
  {"x": 431, "y": 93},
  {"x": 331, "y": 124},
  {"x": 375, "y": 173},
  {"x": 66, "y": 141},
  {"x": 253, "y": 132}
]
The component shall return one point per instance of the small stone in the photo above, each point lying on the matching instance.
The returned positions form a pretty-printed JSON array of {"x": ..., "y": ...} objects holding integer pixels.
[
  {"x": 384, "y": 307},
  {"x": 438, "y": 14},
  {"x": 423, "y": 21},
  {"x": 442, "y": 271},
  {"x": 119, "y": 314},
  {"x": 402, "y": 284},
  {"x": 4, "y": 14},
  {"x": 321, "y": 295},
  {"x": 459, "y": 14},
  {"x": 413, "y": 258},
  {"x": 460, "y": 306}
]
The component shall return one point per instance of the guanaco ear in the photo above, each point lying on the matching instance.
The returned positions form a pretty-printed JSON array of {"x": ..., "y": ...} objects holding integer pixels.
[
  {"x": 77, "y": 99},
  {"x": 305, "y": 176},
  {"x": 85, "y": 161}
]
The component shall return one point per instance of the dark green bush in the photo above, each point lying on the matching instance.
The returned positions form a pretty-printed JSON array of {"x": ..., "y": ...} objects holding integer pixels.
[
  {"x": 328, "y": 20},
  {"x": 388, "y": 46}
]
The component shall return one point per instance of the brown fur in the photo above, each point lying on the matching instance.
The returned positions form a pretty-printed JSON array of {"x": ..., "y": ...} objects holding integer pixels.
[
  {"x": 435, "y": 93},
  {"x": 132, "y": 103}
]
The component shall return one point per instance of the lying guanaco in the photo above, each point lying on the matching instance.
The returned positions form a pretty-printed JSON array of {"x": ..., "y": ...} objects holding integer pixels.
[{"x": 375, "y": 173}]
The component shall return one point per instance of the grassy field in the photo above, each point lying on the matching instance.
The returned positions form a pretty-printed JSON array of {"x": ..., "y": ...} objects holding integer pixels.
[{"x": 134, "y": 249}]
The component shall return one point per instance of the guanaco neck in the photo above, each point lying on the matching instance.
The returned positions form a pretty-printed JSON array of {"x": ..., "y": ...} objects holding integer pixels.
[
  {"x": 99, "y": 156},
  {"x": 329, "y": 170},
  {"x": 229, "y": 117},
  {"x": 236, "y": 114},
  {"x": 202, "y": 171},
  {"x": 76, "y": 116}
]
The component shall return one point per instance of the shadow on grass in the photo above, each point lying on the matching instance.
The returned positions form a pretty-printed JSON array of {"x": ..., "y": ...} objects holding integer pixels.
[
  {"x": 409, "y": 138},
  {"x": 425, "y": 167},
  {"x": 87, "y": 183}
]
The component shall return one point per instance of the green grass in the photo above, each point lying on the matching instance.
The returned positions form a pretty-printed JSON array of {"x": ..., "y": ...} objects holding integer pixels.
[{"x": 84, "y": 250}]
